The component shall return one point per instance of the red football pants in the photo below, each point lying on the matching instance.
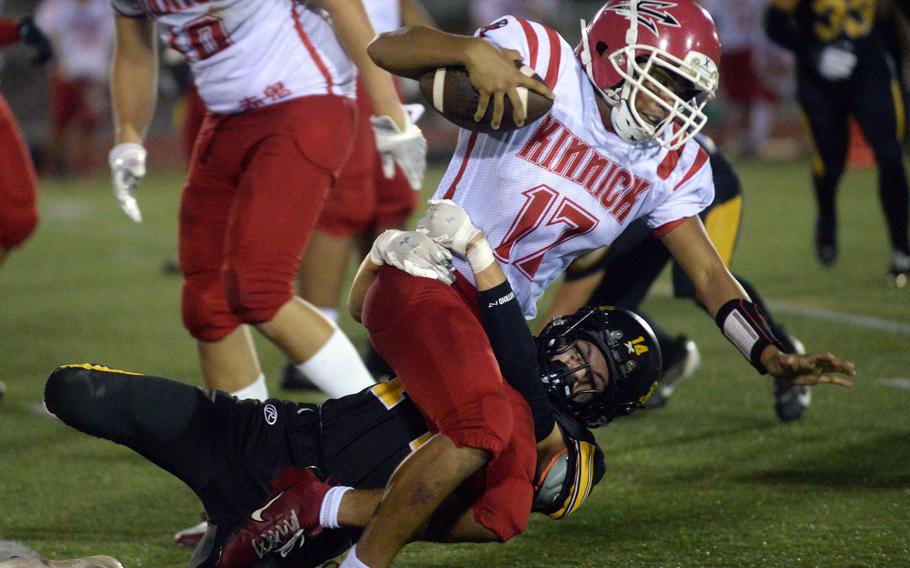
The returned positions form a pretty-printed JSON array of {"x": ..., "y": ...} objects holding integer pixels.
[{"x": 257, "y": 183}]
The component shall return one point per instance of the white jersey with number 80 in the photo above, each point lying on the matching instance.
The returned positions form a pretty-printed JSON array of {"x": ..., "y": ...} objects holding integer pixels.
[{"x": 248, "y": 54}]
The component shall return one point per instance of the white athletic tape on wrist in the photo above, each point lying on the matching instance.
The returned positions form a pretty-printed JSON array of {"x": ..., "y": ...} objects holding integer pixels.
[
  {"x": 331, "y": 504},
  {"x": 480, "y": 256}
]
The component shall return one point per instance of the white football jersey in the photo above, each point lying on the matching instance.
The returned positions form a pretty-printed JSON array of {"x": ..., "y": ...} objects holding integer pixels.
[
  {"x": 385, "y": 15},
  {"x": 564, "y": 185},
  {"x": 248, "y": 54}
]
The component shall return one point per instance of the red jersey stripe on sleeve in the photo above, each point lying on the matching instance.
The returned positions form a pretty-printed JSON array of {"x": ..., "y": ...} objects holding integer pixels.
[
  {"x": 700, "y": 160},
  {"x": 305, "y": 39},
  {"x": 464, "y": 164},
  {"x": 555, "y": 57},
  {"x": 667, "y": 227},
  {"x": 533, "y": 44}
]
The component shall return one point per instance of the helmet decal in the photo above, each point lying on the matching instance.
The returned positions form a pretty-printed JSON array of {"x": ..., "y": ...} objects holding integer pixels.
[
  {"x": 660, "y": 54},
  {"x": 651, "y": 13}
]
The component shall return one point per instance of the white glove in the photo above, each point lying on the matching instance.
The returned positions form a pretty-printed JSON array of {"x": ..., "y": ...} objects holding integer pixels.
[
  {"x": 448, "y": 224},
  {"x": 413, "y": 252},
  {"x": 836, "y": 63},
  {"x": 407, "y": 148},
  {"x": 127, "y": 169}
]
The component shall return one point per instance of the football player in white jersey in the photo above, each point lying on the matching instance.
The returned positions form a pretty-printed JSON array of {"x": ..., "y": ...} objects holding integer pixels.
[
  {"x": 615, "y": 147},
  {"x": 278, "y": 80}
]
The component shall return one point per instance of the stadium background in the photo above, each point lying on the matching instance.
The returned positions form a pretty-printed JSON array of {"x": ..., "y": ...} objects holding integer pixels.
[{"x": 712, "y": 480}]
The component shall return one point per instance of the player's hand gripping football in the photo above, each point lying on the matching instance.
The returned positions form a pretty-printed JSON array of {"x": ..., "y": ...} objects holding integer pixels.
[
  {"x": 407, "y": 148},
  {"x": 413, "y": 252},
  {"x": 493, "y": 73},
  {"x": 127, "y": 170},
  {"x": 809, "y": 369}
]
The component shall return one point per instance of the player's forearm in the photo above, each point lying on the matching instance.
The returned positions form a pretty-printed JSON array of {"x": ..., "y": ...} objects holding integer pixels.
[
  {"x": 412, "y": 50},
  {"x": 414, "y": 493},
  {"x": 354, "y": 31},
  {"x": 693, "y": 250},
  {"x": 134, "y": 78}
]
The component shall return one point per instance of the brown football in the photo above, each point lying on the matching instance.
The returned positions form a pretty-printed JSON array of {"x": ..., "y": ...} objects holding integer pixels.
[{"x": 450, "y": 92}]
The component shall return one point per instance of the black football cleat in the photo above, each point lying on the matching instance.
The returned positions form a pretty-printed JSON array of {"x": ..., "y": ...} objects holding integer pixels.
[
  {"x": 899, "y": 272},
  {"x": 2, "y": 390},
  {"x": 790, "y": 401},
  {"x": 825, "y": 243},
  {"x": 682, "y": 361}
]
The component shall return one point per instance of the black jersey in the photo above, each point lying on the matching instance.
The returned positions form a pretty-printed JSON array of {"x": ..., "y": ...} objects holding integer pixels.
[
  {"x": 813, "y": 24},
  {"x": 366, "y": 435}
]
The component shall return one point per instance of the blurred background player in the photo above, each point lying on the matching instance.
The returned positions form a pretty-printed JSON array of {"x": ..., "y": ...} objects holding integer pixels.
[
  {"x": 244, "y": 219},
  {"x": 18, "y": 181},
  {"x": 82, "y": 34},
  {"x": 749, "y": 104},
  {"x": 485, "y": 11},
  {"x": 370, "y": 195},
  {"x": 622, "y": 274},
  {"x": 843, "y": 71}
]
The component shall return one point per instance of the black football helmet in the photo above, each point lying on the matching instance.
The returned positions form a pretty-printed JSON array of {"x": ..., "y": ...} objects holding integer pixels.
[{"x": 630, "y": 348}]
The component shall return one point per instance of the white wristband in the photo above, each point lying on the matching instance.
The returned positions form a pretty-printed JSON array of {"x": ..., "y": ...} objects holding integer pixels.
[
  {"x": 331, "y": 503},
  {"x": 480, "y": 256}
]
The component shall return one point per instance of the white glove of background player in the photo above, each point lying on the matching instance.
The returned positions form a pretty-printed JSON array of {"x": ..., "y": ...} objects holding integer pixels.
[
  {"x": 413, "y": 252},
  {"x": 448, "y": 224},
  {"x": 407, "y": 148},
  {"x": 127, "y": 169},
  {"x": 836, "y": 63}
]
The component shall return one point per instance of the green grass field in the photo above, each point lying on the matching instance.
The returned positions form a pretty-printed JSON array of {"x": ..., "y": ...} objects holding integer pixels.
[{"x": 711, "y": 480}]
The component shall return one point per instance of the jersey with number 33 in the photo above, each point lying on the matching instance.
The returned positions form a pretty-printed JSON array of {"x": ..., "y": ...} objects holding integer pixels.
[
  {"x": 564, "y": 184},
  {"x": 247, "y": 54}
]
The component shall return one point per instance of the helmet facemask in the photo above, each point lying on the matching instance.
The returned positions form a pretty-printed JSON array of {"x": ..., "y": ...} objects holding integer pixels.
[
  {"x": 632, "y": 67},
  {"x": 642, "y": 67},
  {"x": 622, "y": 393}
]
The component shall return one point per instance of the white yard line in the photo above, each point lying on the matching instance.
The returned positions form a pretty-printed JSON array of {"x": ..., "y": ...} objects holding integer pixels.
[{"x": 857, "y": 320}]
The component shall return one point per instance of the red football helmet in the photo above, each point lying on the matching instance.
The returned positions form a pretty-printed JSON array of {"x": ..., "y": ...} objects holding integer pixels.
[{"x": 632, "y": 46}]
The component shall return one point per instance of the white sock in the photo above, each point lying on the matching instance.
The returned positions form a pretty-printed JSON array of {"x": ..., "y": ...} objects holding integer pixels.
[
  {"x": 255, "y": 390},
  {"x": 331, "y": 503},
  {"x": 351, "y": 560},
  {"x": 336, "y": 368},
  {"x": 331, "y": 313}
]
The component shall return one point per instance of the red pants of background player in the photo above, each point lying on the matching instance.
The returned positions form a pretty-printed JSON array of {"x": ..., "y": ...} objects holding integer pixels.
[
  {"x": 363, "y": 200},
  {"x": 78, "y": 101},
  {"x": 256, "y": 186},
  {"x": 18, "y": 183},
  {"x": 431, "y": 335}
]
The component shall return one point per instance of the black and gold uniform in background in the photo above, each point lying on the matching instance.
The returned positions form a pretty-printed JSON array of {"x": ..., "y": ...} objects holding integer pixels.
[{"x": 843, "y": 70}]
